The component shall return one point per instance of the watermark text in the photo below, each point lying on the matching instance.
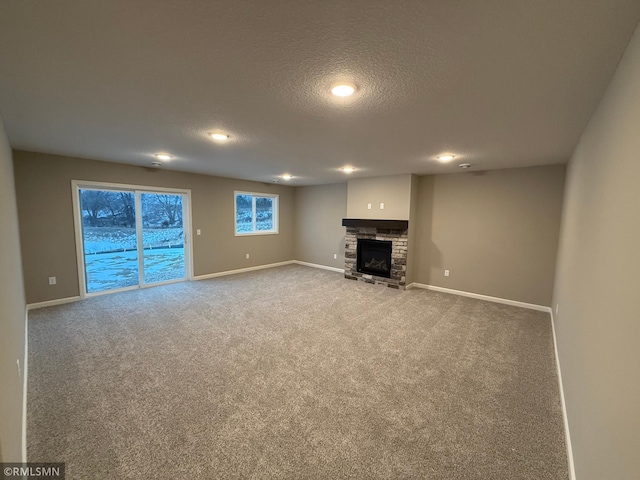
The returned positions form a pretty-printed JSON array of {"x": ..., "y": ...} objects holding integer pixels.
[{"x": 28, "y": 471}]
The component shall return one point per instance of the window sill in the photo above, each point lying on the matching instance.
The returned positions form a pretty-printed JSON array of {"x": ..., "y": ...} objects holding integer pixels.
[{"x": 252, "y": 234}]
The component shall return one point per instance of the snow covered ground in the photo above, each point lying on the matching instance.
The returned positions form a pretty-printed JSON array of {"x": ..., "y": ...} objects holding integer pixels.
[
  {"x": 111, "y": 257},
  {"x": 107, "y": 271}
]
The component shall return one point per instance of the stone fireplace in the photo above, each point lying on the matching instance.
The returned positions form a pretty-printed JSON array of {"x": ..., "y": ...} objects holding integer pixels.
[{"x": 376, "y": 251}]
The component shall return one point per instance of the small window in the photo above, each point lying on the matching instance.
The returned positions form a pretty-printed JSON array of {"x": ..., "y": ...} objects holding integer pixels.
[{"x": 256, "y": 213}]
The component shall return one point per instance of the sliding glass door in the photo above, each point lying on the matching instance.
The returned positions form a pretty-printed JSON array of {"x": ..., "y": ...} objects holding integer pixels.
[
  {"x": 130, "y": 238},
  {"x": 162, "y": 237}
]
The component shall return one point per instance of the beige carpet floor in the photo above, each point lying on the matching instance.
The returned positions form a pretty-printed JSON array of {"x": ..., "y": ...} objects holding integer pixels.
[{"x": 296, "y": 373}]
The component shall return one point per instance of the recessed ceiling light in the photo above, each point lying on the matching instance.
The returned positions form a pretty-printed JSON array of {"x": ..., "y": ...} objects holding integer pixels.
[
  {"x": 343, "y": 89},
  {"x": 163, "y": 156},
  {"x": 286, "y": 176},
  {"x": 219, "y": 136},
  {"x": 348, "y": 169},
  {"x": 465, "y": 165},
  {"x": 446, "y": 158}
]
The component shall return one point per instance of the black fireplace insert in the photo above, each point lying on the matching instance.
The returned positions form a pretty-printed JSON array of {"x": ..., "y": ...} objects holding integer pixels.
[{"x": 374, "y": 257}]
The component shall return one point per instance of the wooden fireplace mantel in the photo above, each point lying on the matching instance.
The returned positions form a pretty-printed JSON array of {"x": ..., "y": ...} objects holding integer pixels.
[{"x": 374, "y": 223}]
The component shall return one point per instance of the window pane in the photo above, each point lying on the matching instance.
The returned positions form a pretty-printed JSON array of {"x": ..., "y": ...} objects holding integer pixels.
[
  {"x": 264, "y": 213},
  {"x": 256, "y": 213},
  {"x": 244, "y": 211},
  {"x": 162, "y": 237},
  {"x": 109, "y": 239}
]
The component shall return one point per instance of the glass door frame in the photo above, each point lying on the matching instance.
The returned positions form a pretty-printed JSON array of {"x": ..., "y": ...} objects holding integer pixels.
[{"x": 77, "y": 185}]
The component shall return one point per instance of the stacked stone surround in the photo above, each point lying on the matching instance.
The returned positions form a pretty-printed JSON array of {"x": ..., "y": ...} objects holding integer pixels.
[{"x": 398, "y": 255}]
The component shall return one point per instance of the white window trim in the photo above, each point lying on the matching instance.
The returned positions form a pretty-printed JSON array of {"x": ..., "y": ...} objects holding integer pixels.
[{"x": 276, "y": 211}]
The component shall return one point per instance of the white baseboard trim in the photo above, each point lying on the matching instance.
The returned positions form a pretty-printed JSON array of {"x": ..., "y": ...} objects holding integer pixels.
[
  {"x": 317, "y": 265},
  {"x": 25, "y": 371},
  {"x": 565, "y": 418},
  {"x": 51, "y": 303},
  {"x": 242, "y": 270},
  {"x": 478, "y": 296}
]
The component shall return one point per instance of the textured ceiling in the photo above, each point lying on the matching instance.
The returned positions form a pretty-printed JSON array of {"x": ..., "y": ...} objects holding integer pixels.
[{"x": 498, "y": 83}]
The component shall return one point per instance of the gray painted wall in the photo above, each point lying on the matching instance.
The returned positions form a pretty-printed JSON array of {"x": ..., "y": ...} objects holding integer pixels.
[
  {"x": 598, "y": 280},
  {"x": 43, "y": 184},
  {"x": 394, "y": 191},
  {"x": 12, "y": 312},
  {"x": 412, "y": 234},
  {"x": 319, "y": 233},
  {"x": 495, "y": 231}
]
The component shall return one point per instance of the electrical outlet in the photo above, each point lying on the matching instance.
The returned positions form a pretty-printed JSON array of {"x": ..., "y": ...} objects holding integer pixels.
[
  {"x": 335, "y": 256},
  {"x": 369, "y": 206},
  {"x": 198, "y": 232},
  {"x": 247, "y": 256},
  {"x": 381, "y": 206},
  {"x": 52, "y": 280},
  {"x": 446, "y": 273}
]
